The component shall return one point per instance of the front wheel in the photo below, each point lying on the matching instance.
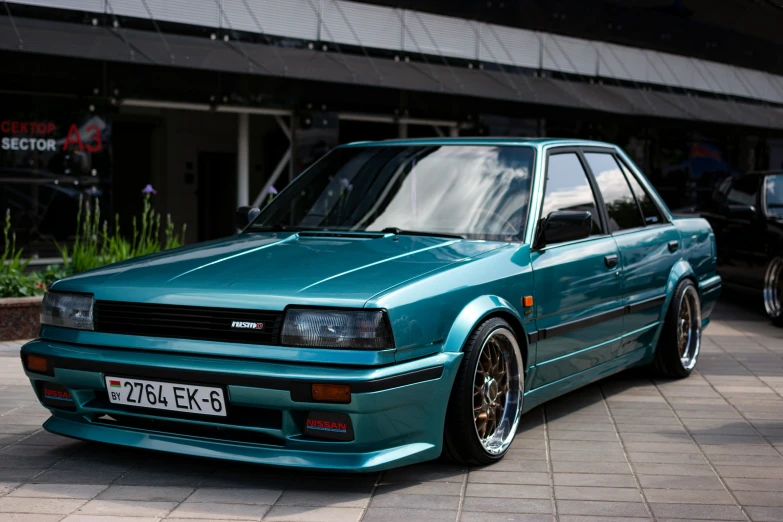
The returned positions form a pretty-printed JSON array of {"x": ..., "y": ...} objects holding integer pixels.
[
  {"x": 773, "y": 291},
  {"x": 680, "y": 342},
  {"x": 486, "y": 400}
]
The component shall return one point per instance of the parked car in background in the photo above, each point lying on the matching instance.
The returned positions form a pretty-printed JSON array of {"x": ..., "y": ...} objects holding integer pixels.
[
  {"x": 746, "y": 213},
  {"x": 398, "y": 300}
]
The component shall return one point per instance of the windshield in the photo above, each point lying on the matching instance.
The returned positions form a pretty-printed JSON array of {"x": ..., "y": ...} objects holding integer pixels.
[
  {"x": 773, "y": 195},
  {"x": 478, "y": 192}
]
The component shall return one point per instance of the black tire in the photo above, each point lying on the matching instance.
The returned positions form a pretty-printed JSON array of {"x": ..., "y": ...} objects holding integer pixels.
[
  {"x": 773, "y": 290},
  {"x": 670, "y": 358},
  {"x": 461, "y": 442}
]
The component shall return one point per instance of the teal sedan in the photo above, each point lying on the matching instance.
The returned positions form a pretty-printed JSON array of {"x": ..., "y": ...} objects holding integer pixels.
[{"x": 397, "y": 301}]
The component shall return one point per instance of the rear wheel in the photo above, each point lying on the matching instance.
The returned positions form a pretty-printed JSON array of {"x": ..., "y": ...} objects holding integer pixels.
[
  {"x": 486, "y": 400},
  {"x": 680, "y": 342},
  {"x": 773, "y": 291}
]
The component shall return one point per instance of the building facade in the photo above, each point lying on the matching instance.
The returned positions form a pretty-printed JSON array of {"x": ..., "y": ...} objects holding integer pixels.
[{"x": 215, "y": 103}]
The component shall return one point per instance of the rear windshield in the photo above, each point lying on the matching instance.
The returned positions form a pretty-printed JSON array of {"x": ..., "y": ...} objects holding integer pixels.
[{"x": 773, "y": 195}]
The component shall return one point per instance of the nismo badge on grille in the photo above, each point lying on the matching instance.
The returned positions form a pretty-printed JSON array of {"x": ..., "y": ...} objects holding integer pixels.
[{"x": 249, "y": 326}]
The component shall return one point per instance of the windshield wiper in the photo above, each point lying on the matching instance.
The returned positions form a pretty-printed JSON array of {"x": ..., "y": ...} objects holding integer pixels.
[
  {"x": 284, "y": 228},
  {"x": 400, "y": 232}
]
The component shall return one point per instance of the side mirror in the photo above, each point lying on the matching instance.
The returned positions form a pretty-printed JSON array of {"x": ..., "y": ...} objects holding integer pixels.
[
  {"x": 563, "y": 225},
  {"x": 740, "y": 211},
  {"x": 244, "y": 215}
]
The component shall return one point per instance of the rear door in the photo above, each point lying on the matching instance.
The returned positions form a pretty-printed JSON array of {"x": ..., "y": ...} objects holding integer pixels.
[
  {"x": 578, "y": 292},
  {"x": 648, "y": 244}
]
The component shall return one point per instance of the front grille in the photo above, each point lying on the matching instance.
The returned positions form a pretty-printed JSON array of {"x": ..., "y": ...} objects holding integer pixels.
[{"x": 186, "y": 322}]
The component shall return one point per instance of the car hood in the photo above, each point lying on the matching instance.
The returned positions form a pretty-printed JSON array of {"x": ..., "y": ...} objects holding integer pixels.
[{"x": 270, "y": 271}]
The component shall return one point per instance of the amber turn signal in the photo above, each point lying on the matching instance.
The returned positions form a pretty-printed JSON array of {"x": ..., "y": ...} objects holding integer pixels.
[
  {"x": 527, "y": 300},
  {"x": 36, "y": 363},
  {"x": 331, "y": 392}
]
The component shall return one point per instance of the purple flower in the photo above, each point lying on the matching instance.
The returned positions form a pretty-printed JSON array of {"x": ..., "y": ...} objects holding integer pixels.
[
  {"x": 148, "y": 190},
  {"x": 271, "y": 190}
]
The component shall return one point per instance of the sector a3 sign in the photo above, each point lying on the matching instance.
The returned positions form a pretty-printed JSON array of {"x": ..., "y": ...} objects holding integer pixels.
[
  {"x": 41, "y": 136},
  {"x": 54, "y": 144}
]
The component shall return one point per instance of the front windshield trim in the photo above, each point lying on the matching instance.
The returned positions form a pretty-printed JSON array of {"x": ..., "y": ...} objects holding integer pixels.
[{"x": 521, "y": 223}]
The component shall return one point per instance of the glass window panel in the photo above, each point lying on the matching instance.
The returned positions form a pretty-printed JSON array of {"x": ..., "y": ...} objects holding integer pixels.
[
  {"x": 567, "y": 188},
  {"x": 620, "y": 204},
  {"x": 773, "y": 192},
  {"x": 652, "y": 216}
]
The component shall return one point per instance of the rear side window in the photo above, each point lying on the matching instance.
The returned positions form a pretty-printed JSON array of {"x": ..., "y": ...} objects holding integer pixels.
[
  {"x": 652, "y": 216},
  {"x": 743, "y": 191},
  {"x": 620, "y": 204},
  {"x": 567, "y": 188}
]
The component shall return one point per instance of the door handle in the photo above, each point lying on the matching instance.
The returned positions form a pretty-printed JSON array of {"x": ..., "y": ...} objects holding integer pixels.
[
  {"x": 673, "y": 246},
  {"x": 611, "y": 261}
]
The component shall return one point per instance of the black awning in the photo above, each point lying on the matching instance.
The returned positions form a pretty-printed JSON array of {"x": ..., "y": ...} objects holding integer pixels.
[{"x": 147, "y": 47}]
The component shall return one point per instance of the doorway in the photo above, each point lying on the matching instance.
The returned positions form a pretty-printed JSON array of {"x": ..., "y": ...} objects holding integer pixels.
[{"x": 217, "y": 198}]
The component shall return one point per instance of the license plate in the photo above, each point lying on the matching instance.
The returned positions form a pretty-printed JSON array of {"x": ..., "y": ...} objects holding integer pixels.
[{"x": 184, "y": 398}]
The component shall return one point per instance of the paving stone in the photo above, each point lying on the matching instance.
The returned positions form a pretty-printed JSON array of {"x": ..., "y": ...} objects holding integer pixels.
[
  {"x": 587, "y": 518},
  {"x": 597, "y": 493},
  {"x": 507, "y": 505},
  {"x": 215, "y": 510},
  {"x": 750, "y": 471},
  {"x": 517, "y": 465},
  {"x": 505, "y": 477},
  {"x": 427, "y": 488},
  {"x": 508, "y": 491},
  {"x": 760, "y": 498},
  {"x": 688, "y": 496},
  {"x": 77, "y": 477},
  {"x": 393, "y": 500},
  {"x": 25, "y": 517},
  {"x": 666, "y": 458},
  {"x": 332, "y": 498},
  {"x": 320, "y": 514},
  {"x": 134, "y": 478},
  {"x": 127, "y": 508},
  {"x": 755, "y": 484},
  {"x": 471, "y": 516},
  {"x": 590, "y": 467},
  {"x": 145, "y": 493},
  {"x": 107, "y": 518},
  {"x": 385, "y": 515},
  {"x": 590, "y": 479},
  {"x": 53, "y": 506},
  {"x": 680, "y": 482},
  {"x": 600, "y": 508},
  {"x": 645, "y": 468},
  {"x": 765, "y": 514},
  {"x": 75, "y": 491},
  {"x": 697, "y": 511}
]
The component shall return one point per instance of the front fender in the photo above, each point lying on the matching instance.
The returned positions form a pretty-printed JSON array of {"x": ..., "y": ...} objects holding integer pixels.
[{"x": 470, "y": 317}]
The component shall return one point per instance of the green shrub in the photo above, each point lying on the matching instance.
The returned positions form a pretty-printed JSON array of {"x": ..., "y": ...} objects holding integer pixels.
[{"x": 94, "y": 246}]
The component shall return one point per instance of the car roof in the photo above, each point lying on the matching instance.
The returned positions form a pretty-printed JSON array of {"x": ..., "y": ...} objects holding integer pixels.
[{"x": 521, "y": 141}]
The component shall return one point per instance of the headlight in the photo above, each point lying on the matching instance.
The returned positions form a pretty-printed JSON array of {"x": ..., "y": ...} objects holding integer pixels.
[
  {"x": 68, "y": 310},
  {"x": 364, "y": 330}
]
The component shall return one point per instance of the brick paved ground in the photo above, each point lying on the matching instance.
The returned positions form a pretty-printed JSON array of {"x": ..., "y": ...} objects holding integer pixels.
[{"x": 706, "y": 448}]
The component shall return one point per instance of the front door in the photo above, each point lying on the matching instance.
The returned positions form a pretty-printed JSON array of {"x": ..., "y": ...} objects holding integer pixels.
[{"x": 578, "y": 290}]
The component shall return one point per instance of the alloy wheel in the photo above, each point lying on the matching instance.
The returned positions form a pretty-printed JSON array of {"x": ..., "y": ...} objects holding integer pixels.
[
  {"x": 773, "y": 289},
  {"x": 497, "y": 391},
  {"x": 689, "y": 328}
]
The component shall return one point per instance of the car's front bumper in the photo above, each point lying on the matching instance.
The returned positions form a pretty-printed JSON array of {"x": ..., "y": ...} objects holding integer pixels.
[{"x": 397, "y": 412}]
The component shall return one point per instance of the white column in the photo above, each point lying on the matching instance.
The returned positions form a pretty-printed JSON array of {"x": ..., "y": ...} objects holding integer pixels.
[
  {"x": 402, "y": 130},
  {"x": 454, "y": 132},
  {"x": 243, "y": 159}
]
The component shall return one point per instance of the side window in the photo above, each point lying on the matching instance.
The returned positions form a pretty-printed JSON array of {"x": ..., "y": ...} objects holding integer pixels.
[
  {"x": 652, "y": 216},
  {"x": 618, "y": 198},
  {"x": 743, "y": 191},
  {"x": 567, "y": 188}
]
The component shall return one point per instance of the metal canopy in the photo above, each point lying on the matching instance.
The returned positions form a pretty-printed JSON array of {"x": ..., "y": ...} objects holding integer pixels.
[{"x": 142, "y": 47}]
